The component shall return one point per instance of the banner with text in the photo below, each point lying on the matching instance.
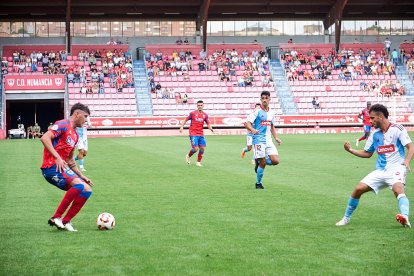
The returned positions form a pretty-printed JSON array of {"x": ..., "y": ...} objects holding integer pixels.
[
  {"x": 34, "y": 82},
  {"x": 237, "y": 121}
]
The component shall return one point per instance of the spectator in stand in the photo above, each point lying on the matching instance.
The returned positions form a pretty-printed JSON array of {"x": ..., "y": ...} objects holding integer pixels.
[
  {"x": 315, "y": 103},
  {"x": 179, "y": 41},
  {"x": 394, "y": 56},
  {"x": 203, "y": 54},
  {"x": 387, "y": 45},
  {"x": 186, "y": 41},
  {"x": 290, "y": 41},
  {"x": 201, "y": 66}
]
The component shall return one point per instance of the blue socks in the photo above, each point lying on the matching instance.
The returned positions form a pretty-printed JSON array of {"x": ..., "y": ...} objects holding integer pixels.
[
  {"x": 268, "y": 161},
  {"x": 403, "y": 204},
  {"x": 352, "y": 205},
  {"x": 245, "y": 149},
  {"x": 80, "y": 161},
  {"x": 259, "y": 176}
]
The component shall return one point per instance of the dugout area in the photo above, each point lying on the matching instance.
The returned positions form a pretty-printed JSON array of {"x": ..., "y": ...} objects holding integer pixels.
[{"x": 31, "y": 111}]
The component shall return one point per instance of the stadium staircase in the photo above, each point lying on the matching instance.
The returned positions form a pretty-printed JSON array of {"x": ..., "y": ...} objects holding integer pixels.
[
  {"x": 406, "y": 81},
  {"x": 286, "y": 98},
  {"x": 143, "y": 95}
]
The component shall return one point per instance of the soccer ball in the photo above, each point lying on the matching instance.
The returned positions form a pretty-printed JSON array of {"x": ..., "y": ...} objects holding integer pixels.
[{"x": 105, "y": 221}]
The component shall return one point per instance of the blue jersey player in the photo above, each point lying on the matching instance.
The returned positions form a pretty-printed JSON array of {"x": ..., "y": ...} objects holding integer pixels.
[
  {"x": 261, "y": 124},
  {"x": 249, "y": 140},
  {"x": 389, "y": 141}
]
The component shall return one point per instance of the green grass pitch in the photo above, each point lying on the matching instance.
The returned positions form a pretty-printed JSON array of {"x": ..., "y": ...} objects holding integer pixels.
[{"x": 174, "y": 219}]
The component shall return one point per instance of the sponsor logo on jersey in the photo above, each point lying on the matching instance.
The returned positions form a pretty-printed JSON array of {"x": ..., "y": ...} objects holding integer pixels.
[
  {"x": 385, "y": 149},
  {"x": 70, "y": 141},
  {"x": 266, "y": 123}
]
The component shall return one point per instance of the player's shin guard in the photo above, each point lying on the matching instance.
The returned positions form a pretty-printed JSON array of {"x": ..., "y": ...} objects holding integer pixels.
[
  {"x": 200, "y": 155},
  {"x": 259, "y": 175},
  {"x": 352, "y": 205},
  {"x": 76, "y": 206},
  {"x": 403, "y": 204},
  {"x": 69, "y": 196}
]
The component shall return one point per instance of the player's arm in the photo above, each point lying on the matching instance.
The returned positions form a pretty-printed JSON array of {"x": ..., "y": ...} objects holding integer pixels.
[
  {"x": 210, "y": 127},
  {"x": 273, "y": 131},
  {"x": 72, "y": 165},
  {"x": 250, "y": 128},
  {"x": 182, "y": 125},
  {"x": 47, "y": 139},
  {"x": 359, "y": 153},
  {"x": 409, "y": 156}
]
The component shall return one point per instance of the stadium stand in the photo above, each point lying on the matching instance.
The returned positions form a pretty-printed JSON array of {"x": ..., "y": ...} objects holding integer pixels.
[
  {"x": 212, "y": 79},
  {"x": 341, "y": 82}
]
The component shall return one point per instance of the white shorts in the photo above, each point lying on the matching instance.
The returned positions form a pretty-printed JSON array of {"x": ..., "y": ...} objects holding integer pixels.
[
  {"x": 249, "y": 140},
  {"x": 83, "y": 144},
  {"x": 380, "y": 179},
  {"x": 263, "y": 150}
]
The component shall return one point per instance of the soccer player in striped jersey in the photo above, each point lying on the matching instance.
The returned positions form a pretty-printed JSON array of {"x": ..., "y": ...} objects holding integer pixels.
[
  {"x": 389, "y": 141},
  {"x": 197, "y": 119},
  {"x": 59, "y": 168},
  {"x": 261, "y": 124}
]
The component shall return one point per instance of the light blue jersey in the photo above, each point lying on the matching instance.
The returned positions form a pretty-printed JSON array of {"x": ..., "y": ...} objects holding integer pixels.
[
  {"x": 262, "y": 121},
  {"x": 389, "y": 146},
  {"x": 82, "y": 132}
]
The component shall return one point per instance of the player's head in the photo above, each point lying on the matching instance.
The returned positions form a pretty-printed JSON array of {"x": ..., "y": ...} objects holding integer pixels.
[
  {"x": 368, "y": 104},
  {"x": 80, "y": 112},
  {"x": 265, "y": 98},
  {"x": 379, "y": 109},
  {"x": 200, "y": 105},
  {"x": 257, "y": 105},
  {"x": 377, "y": 114}
]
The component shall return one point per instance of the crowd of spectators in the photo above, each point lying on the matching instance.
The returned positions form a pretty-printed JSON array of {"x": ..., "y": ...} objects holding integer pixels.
[
  {"x": 225, "y": 63},
  {"x": 91, "y": 68},
  {"x": 346, "y": 65}
]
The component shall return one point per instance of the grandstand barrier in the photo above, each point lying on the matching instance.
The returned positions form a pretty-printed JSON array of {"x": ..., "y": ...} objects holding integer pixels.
[
  {"x": 325, "y": 48},
  {"x": 91, "y": 47},
  {"x": 408, "y": 47},
  {"x": 8, "y": 50}
]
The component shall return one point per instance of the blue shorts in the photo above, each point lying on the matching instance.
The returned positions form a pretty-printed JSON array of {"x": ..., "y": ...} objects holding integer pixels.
[
  {"x": 367, "y": 128},
  {"x": 197, "y": 141},
  {"x": 60, "y": 180}
]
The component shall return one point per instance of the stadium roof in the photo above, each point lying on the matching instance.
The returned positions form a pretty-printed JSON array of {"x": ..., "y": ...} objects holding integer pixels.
[{"x": 200, "y": 10}]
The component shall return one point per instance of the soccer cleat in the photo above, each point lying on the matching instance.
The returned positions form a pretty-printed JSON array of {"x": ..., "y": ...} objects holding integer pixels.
[
  {"x": 56, "y": 222},
  {"x": 243, "y": 153},
  {"x": 343, "y": 221},
  {"x": 253, "y": 162},
  {"x": 357, "y": 142},
  {"x": 198, "y": 164},
  {"x": 259, "y": 186},
  {"x": 256, "y": 165},
  {"x": 82, "y": 169},
  {"x": 403, "y": 220},
  {"x": 69, "y": 227},
  {"x": 187, "y": 159}
]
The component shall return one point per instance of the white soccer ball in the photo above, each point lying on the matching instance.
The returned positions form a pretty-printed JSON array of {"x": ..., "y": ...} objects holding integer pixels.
[{"x": 105, "y": 221}]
